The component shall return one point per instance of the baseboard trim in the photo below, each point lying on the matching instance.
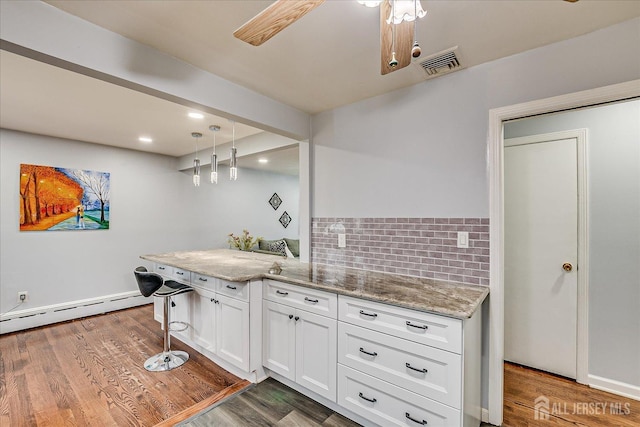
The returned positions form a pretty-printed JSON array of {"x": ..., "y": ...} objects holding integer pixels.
[
  {"x": 485, "y": 415},
  {"x": 46, "y": 315},
  {"x": 615, "y": 387}
]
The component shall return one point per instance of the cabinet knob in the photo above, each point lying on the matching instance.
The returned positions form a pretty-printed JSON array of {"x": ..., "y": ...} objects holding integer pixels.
[
  {"x": 567, "y": 267},
  {"x": 291, "y": 316},
  {"x": 297, "y": 318}
]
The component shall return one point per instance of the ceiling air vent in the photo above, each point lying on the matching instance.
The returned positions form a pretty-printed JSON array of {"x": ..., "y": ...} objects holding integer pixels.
[{"x": 440, "y": 63}]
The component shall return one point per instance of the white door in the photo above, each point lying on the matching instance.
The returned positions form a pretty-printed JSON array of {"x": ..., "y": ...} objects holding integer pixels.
[
  {"x": 316, "y": 353},
  {"x": 541, "y": 226},
  {"x": 279, "y": 339},
  {"x": 232, "y": 331}
]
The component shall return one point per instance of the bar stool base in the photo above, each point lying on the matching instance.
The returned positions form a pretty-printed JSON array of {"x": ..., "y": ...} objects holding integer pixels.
[{"x": 166, "y": 361}]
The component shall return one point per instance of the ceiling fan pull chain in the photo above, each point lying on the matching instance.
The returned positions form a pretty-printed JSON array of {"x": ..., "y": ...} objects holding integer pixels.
[
  {"x": 415, "y": 50},
  {"x": 394, "y": 62}
]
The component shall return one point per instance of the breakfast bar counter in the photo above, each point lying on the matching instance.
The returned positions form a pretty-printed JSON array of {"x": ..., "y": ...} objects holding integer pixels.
[{"x": 445, "y": 298}]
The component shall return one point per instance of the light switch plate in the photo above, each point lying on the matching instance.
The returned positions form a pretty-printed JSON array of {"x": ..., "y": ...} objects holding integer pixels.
[
  {"x": 342, "y": 240},
  {"x": 463, "y": 239}
]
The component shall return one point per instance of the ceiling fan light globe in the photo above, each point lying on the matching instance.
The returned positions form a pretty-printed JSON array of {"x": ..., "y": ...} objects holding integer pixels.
[
  {"x": 405, "y": 11},
  {"x": 370, "y": 3}
]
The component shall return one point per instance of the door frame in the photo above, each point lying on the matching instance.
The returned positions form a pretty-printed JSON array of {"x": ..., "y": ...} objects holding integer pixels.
[
  {"x": 582, "y": 261},
  {"x": 495, "y": 164}
]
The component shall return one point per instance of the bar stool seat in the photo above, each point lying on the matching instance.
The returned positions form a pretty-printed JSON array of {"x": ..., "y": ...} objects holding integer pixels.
[{"x": 154, "y": 284}]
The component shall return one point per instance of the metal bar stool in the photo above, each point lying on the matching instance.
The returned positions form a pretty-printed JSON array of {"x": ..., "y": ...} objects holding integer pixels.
[{"x": 154, "y": 284}]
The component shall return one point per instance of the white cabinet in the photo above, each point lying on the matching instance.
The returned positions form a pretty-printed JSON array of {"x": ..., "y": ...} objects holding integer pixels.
[
  {"x": 203, "y": 320},
  {"x": 232, "y": 331},
  {"x": 299, "y": 344},
  {"x": 404, "y": 367},
  {"x": 217, "y": 314}
]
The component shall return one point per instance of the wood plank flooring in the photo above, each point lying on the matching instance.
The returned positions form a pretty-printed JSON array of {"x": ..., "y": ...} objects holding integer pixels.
[
  {"x": 270, "y": 404},
  {"x": 89, "y": 372},
  {"x": 574, "y": 404}
]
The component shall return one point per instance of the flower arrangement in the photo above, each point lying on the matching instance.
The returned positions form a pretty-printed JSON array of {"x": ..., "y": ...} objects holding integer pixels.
[{"x": 244, "y": 242}]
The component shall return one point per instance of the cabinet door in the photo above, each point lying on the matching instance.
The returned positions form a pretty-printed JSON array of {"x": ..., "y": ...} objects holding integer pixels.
[
  {"x": 203, "y": 319},
  {"x": 158, "y": 309},
  {"x": 180, "y": 311},
  {"x": 232, "y": 331},
  {"x": 316, "y": 353},
  {"x": 278, "y": 345}
]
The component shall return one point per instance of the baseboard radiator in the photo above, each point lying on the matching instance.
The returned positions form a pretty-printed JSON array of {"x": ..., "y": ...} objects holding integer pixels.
[{"x": 46, "y": 315}]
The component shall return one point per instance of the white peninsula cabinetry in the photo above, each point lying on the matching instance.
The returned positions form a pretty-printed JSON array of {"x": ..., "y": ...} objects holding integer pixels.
[{"x": 218, "y": 315}]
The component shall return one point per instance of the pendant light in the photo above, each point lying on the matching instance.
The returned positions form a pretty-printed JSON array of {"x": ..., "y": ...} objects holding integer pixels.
[
  {"x": 233, "y": 161},
  {"x": 214, "y": 156},
  {"x": 196, "y": 161}
]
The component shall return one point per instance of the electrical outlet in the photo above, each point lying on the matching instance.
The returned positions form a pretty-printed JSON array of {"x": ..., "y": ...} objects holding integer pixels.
[
  {"x": 342, "y": 240},
  {"x": 22, "y": 296}
]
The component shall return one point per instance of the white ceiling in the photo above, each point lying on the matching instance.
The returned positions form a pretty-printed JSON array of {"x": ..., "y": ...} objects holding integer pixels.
[
  {"x": 331, "y": 56},
  {"x": 328, "y": 58}
]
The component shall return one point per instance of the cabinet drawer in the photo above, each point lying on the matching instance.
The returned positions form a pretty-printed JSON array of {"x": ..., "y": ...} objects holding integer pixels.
[
  {"x": 402, "y": 362},
  {"x": 163, "y": 270},
  {"x": 200, "y": 281},
  {"x": 319, "y": 302},
  {"x": 424, "y": 328},
  {"x": 239, "y": 290},
  {"x": 181, "y": 275},
  {"x": 388, "y": 405}
]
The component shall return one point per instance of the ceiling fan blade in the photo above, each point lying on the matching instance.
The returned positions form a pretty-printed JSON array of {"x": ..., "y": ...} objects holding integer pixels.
[
  {"x": 404, "y": 41},
  {"x": 274, "y": 19}
]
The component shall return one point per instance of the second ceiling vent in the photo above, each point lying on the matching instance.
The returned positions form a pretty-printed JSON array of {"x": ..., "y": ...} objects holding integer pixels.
[{"x": 440, "y": 63}]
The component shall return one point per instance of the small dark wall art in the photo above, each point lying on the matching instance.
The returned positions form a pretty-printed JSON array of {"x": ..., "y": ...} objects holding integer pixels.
[
  {"x": 285, "y": 219},
  {"x": 275, "y": 201},
  {"x": 58, "y": 199}
]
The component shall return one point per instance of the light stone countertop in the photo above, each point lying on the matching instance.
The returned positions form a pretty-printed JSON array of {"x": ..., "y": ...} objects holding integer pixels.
[{"x": 450, "y": 299}]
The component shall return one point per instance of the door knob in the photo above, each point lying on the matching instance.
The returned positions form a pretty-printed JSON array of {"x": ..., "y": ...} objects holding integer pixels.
[{"x": 567, "y": 266}]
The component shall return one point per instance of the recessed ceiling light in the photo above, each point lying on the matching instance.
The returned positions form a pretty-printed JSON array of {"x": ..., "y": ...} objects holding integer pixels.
[
  {"x": 263, "y": 160},
  {"x": 145, "y": 139},
  {"x": 196, "y": 115}
]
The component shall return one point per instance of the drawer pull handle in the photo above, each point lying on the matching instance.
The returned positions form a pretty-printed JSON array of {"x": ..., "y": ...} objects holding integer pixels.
[
  {"x": 372, "y": 400},
  {"x": 373, "y": 354},
  {"x": 180, "y": 273},
  {"x": 417, "y": 326},
  {"x": 364, "y": 313},
  {"x": 161, "y": 268},
  {"x": 202, "y": 279},
  {"x": 423, "y": 422},
  {"x": 313, "y": 301},
  {"x": 279, "y": 292},
  {"x": 408, "y": 365},
  {"x": 231, "y": 287}
]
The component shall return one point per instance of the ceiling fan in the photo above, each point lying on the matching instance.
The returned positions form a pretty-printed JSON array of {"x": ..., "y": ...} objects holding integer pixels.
[{"x": 397, "y": 41}]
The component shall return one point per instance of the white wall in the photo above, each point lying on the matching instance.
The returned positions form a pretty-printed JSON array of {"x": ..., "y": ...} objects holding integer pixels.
[
  {"x": 154, "y": 208},
  {"x": 614, "y": 230},
  {"x": 421, "y": 151}
]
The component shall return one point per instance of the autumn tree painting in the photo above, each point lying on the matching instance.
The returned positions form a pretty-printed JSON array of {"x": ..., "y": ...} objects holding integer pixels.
[{"x": 53, "y": 198}]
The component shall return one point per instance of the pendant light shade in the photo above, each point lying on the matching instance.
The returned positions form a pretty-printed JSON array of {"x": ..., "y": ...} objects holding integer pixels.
[
  {"x": 214, "y": 156},
  {"x": 196, "y": 161},
  {"x": 233, "y": 161}
]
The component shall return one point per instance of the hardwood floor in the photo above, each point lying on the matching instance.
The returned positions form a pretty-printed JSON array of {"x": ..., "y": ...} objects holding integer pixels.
[
  {"x": 270, "y": 404},
  {"x": 89, "y": 372},
  {"x": 569, "y": 403}
]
